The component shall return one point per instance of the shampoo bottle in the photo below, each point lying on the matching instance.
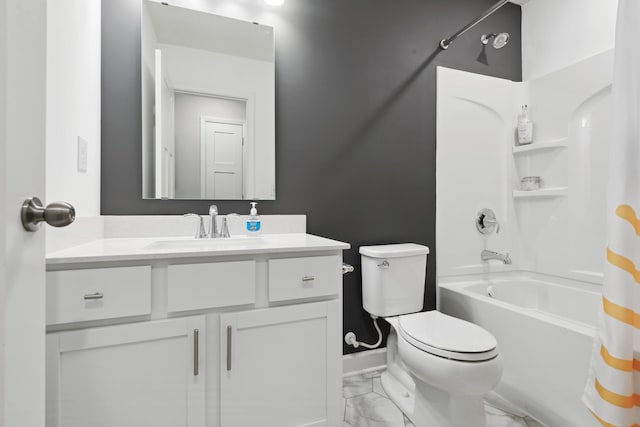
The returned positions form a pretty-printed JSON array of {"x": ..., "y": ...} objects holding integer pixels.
[
  {"x": 253, "y": 222},
  {"x": 525, "y": 127}
]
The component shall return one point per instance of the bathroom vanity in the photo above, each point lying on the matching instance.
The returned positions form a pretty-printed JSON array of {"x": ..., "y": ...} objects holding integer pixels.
[{"x": 184, "y": 332}]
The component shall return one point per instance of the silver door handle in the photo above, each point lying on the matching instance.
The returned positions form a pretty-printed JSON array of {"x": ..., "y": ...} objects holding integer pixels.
[
  {"x": 94, "y": 296},
  {"x": 56, "y": 214},
  {"x": 228, "y": 348},
  {"x": 196, "y": 359}
]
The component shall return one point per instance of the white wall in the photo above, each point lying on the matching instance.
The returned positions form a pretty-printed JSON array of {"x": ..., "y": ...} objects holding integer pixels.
[
  {"x": 558, "y": 33},
  {"x": 73, "y": 102}
]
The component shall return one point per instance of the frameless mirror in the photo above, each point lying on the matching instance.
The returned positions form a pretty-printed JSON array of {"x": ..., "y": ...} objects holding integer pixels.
[{"x": 208, "y": 106}]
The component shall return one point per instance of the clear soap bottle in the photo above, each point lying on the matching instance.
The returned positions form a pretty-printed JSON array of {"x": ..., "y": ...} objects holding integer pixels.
[{"x": 525, "y": 127}]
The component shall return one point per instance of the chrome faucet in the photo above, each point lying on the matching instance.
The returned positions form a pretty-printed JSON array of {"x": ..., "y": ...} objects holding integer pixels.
[
  {"x": 213, "y": 225},
  {"x": 488, "y": 255}
]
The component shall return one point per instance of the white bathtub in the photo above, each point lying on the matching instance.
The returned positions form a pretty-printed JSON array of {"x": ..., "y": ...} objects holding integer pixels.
[{"x": 545, "y": 328}]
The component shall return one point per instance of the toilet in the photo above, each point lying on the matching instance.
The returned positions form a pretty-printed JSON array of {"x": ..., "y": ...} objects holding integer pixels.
[{"x": 439, "y": 368}]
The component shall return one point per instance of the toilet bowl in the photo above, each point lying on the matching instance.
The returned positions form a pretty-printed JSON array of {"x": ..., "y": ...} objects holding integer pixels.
[
  {"x": 438, "y": 367},
  {"x": 449, "y": 353}
]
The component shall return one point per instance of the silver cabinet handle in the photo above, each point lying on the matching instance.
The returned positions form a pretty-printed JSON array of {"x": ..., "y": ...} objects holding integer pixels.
[
  {"x": 228, "y": 348},
  {"x": 57, "y": 214},
  {"x": 94, "y": 296},
  {"x": 308, "y": 278},
  {"x": 196, "y": 359}
]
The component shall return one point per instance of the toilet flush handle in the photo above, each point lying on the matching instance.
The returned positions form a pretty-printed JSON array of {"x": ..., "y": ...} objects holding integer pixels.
[{"x": 384, "y": 264}]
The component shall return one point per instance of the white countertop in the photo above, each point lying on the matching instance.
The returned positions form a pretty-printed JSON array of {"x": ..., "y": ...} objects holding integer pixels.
[{"x": 154, "y": 248}]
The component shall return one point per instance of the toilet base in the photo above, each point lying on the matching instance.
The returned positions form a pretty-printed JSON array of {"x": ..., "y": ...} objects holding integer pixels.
[{"x": 427, "y": 406}]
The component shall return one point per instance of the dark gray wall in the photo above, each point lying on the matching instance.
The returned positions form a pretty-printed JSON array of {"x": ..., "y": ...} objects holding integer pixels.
[{"x": 355, "y": 127}]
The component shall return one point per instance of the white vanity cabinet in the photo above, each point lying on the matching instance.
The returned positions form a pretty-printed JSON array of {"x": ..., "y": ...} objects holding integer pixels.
[
  {"x": 279, "y": 366},
  {"x": 238, "y": 338},
  {"x": 132, "y": 375}
]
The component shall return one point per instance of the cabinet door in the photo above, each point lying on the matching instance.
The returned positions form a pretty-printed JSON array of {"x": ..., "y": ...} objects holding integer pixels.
[
  {"x": 142, "y": 374},
  {"x": 281, "y": 367}
]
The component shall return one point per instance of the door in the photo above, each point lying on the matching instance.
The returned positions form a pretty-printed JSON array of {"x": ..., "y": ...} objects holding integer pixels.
[
  {"x": 141, "y": 374},
  {"x": 22, "y": 264},
  {"x": 222, "y": 153},
  {"x": 280, "y": 367}
]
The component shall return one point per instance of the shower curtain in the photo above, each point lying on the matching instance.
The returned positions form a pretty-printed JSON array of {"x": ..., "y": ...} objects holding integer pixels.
[{"x": 613, "y": 386}]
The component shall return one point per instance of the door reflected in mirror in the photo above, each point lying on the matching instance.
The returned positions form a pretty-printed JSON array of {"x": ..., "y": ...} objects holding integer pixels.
[{"x": 208, "y": 106}]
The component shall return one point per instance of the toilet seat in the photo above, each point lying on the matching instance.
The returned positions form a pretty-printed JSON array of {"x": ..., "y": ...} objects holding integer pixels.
[{"x": 448, "y": 337}]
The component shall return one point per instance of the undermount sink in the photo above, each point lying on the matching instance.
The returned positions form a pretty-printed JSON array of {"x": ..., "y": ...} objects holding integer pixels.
[{"x": 206, "y": 243}]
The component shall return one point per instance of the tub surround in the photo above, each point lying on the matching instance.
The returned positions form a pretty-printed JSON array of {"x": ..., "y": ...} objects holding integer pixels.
[{"x": 546, "y": 230}]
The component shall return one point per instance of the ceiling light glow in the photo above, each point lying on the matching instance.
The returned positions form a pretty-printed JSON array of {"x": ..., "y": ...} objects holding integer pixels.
[{"x": 274, "y": 2}]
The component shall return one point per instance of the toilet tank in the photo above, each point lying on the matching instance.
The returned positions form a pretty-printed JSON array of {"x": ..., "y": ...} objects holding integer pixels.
[{"x": 393, "y": 278}]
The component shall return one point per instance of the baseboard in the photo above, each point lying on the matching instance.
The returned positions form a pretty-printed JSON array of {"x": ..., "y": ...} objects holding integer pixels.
[{"x": 364, "y": 361}]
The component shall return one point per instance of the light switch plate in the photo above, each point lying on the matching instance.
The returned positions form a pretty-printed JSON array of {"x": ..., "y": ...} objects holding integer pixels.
[{"x": 83, "y": 148}]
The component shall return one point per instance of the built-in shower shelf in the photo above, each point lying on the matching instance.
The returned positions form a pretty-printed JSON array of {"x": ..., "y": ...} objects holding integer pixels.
[
  {"x": 543, "y": 192},
  {"x": 542, "y": 145}
]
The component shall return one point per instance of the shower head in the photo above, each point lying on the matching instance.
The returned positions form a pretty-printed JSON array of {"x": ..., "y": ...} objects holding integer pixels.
[{"x": 499, "y": 40}]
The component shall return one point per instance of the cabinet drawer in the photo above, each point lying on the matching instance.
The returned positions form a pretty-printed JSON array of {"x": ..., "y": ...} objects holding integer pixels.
[
  {"x": 98, "y": 293},
  {"x": 294, "y": 278},
  {"x": 217, "y": 284}
]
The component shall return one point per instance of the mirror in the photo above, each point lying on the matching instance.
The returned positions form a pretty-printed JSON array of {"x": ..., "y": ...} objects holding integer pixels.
[{"x": 208, "y": 106}]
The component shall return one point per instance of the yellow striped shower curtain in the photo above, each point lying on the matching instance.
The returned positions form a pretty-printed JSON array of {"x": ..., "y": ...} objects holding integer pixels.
[{"x": 613, "y": 387}]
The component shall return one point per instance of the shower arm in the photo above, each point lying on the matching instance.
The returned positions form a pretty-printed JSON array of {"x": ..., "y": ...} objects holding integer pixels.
[{"x": 444, "y": 43}]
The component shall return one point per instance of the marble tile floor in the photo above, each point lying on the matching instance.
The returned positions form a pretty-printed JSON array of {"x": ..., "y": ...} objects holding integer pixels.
[{"x": 365, "y": 404}]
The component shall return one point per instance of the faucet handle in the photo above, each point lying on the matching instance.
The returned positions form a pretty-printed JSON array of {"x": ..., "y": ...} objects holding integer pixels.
[
  {"x": 200, "y": 233},
  {"x": 224, "y": 229}
]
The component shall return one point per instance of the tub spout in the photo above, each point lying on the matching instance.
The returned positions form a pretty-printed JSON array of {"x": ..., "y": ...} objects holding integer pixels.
[{"x": 488, "y": 255}]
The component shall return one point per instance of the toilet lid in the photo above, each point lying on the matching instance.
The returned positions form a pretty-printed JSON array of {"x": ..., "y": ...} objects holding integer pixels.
[{"x": 447, "y": 336}]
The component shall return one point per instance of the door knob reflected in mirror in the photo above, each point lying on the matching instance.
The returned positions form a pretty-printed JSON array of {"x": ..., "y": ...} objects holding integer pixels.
[{"x": 56, "y": 214}]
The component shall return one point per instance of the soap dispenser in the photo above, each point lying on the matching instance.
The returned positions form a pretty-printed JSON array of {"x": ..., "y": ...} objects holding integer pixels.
[{"x": 254, "y": 222}]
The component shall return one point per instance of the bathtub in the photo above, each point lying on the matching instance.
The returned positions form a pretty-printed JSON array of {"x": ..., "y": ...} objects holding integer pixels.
[{"x": 545, "y": 328}]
